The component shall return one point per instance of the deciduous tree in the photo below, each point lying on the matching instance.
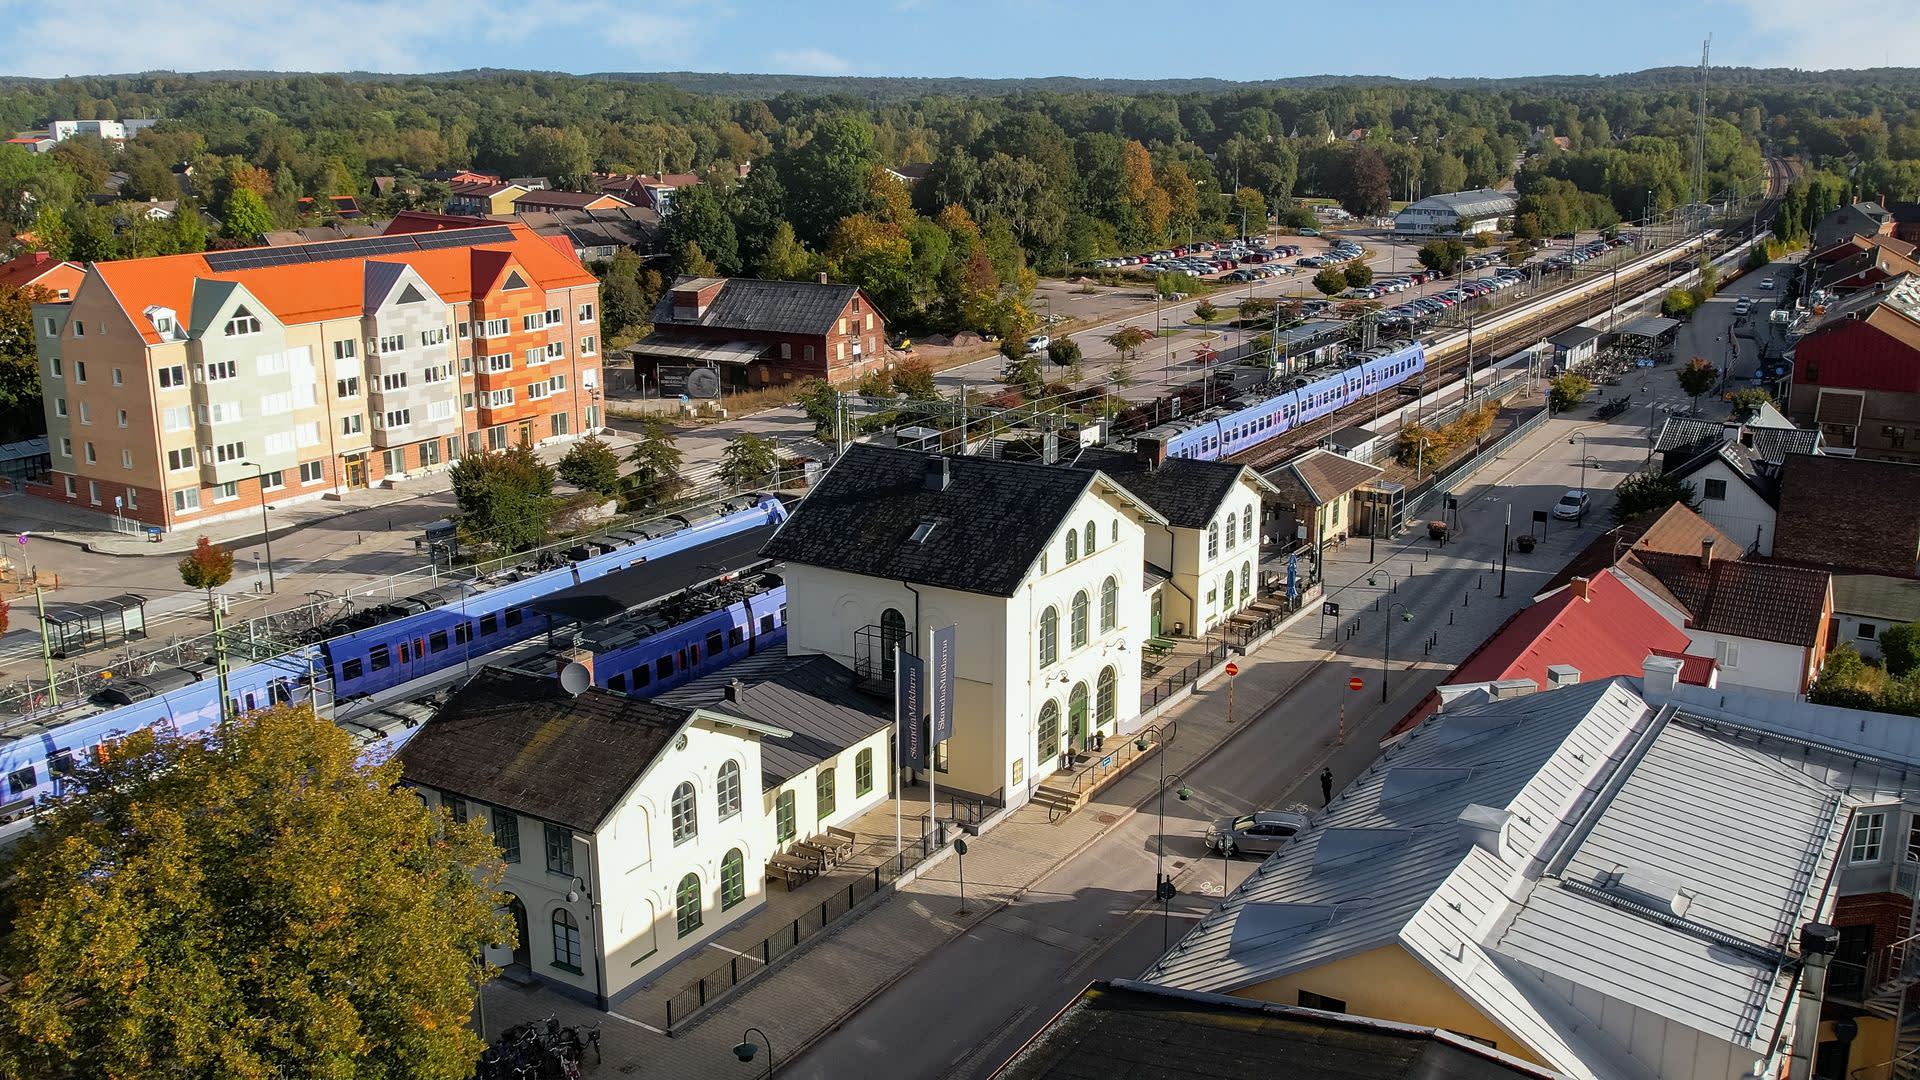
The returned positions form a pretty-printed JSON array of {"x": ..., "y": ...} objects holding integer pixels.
[
  {"x": 1330, "y": 280},
  {"x": 247, "y": 216},
  {"x": 591, "y": 465},
  {"x": 505, "y": 498},
  {"x": 1697, "y": 377},
  {"x": 1648, "y": 493},
  {"x": 208, "y": 566}
]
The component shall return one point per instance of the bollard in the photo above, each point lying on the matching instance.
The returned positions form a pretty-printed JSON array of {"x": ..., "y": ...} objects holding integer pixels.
[
  {"x": 1376, "y": 603},
  {"x": 1449, "y": 618},
  {"x": 1482, "y": 582},
  {"x": 1464, "y": 597}
]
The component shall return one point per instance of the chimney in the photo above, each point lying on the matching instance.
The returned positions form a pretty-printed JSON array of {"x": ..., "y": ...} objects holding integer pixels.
[
  {"x": 939, "y": 473},
  {"x": 1706, "y": 553},
  {"x": 822, "y": 278},
  {"x": 1503, "y": 689},
  {"x": 1484, "y": 827},
  {"x": 1151, "y": 451},
  {"x": 1582, "y": 588},
  {"x": 1659, "y": 675},
  {"x": 1559, "y": 675},
  {"x": 1818, "y": 943},
  {"x": 732, "y": 691}
]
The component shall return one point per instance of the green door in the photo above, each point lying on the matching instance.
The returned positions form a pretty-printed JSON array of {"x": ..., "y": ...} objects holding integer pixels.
[
  {"x": 1153, "y": 617},
  {"x": 1077, "y": 718}
]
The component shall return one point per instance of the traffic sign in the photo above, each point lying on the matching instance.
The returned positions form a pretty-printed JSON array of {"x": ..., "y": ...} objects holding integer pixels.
[
  {"x": 23, "y": 539},
  {"x": 1232, "y": 670},
  {"x": 1330, "y": 608},
  {"x": 1355, "y": 683}
]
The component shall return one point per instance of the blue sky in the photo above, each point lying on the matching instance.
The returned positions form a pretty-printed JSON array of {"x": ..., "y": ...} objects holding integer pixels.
[{"x": 984, "y": 38}]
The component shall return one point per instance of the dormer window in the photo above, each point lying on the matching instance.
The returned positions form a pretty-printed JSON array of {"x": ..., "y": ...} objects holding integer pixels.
[{"x": 242, "y": 323}]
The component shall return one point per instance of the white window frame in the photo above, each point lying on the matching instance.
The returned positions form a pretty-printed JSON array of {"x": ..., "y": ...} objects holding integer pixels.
[{"x": 1867, "y": 840}]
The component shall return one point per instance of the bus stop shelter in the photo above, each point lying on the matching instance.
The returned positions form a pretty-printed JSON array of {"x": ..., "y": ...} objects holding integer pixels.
[{"x": 73, "y": 629}]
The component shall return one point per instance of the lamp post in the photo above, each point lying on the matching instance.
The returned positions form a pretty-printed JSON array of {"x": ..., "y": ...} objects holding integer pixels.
[
  {"x": 745, "y": 1049},
  {"x": 960, "y": 854},
  {"x": 266, "y": 538},
  {"x": 1582, "y": 518},
  {"x": 1162, "y": 886},
  {"x": 1386, "y": 652}
]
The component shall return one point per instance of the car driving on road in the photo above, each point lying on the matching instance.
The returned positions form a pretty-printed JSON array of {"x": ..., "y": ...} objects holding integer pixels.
[{"x": 1572, "y": 505}]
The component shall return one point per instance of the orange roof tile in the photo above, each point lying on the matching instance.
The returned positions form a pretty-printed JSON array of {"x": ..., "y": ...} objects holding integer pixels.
[{"x": 313, "y": 291}]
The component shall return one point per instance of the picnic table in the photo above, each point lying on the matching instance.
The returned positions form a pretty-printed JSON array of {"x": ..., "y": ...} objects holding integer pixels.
[
  {"x": 790, "y": 870},
  {"x": 806, "y": 849},
  {"x": 831, "y": 844}
]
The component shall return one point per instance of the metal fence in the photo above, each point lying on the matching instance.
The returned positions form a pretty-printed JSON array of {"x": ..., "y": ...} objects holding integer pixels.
[
  {"x": 1215, "y": 655},
  {"x": 1444, "y": 483}
]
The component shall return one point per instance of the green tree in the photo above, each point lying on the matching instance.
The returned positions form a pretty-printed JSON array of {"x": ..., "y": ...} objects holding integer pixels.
[
  {"x": 1359, "y": 274},
  {"x": 1205, "y": 311},
  {"x": 1255, "y": 309},
  {"x": 1697, "y": 377},
  {"x": 1900, "y": 649},
  {"x": 19, "y": 362},
  {"x": 208, "y": 566},
  {"x": 913, "y": 377},
  {"x": 591, "y": 465},
  {"x": 246, "y": 217},
  {"x": 787, "y": 259},
  {"x": 656, "y": 465},
  {"x": 749, "y": 461},
  {"x": 1442, "y": 255},
  {"x": 1063, "y": 352},
  {"x": 1251, "y": 206},
  {"x": 560, "y": 154},
  {"x": 1568, "y": 391},
  {"x": 826, "y": 176},
  {"x": 1127, "y": 340},
  {"x": 820, "y": 401},
  {"x": 1330, "y": 280},
  {"x": 254, "y": 901},
  {"x": 700, "y": 220},
  {"x": 1748, "y": 402},
  {"x": 1647, "y": 493},
  {"x": 504, "y": 499},
  {"x": 692, "y": 261}
]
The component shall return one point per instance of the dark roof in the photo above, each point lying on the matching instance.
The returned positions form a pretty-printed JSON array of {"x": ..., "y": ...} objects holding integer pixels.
[
  {"x": 1742, "y": 461},
  {"x": 779, "y": 307},
  {"x": 990, "y": 523},
  {"x": 1579, "y": 335},
  {"x": 811, "y": 696},
  {"x": 1127, "y": 1030},
  {"x": 1768, "y": 444},
  {"x": 1846, "y": 513},
  {"x": 1765, "y": 601},
  {"x": 519, "y": 741},
  {"x": 1185, "y": 491},
  {"x": 611, "y": 594}
]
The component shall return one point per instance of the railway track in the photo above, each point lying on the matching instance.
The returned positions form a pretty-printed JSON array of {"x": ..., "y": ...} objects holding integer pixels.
[{"x": 1450, "y": 359}]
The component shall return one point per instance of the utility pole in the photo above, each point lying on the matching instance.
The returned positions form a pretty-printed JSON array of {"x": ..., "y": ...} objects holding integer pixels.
[
  {"x": 220, "y": 657},
  {"x": 1506, "y": 542},
  {"x": 1700, "y": 129},
  {"x": 46, "y": 646}
]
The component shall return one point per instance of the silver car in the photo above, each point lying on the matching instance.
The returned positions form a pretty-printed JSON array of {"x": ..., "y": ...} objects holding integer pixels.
[{"x": 1259, "y": 833}]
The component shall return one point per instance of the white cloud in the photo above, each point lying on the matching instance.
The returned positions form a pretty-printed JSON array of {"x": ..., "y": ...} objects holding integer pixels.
[
  {"x": 808, "y": 62},
  {"x": 355, "y": 35},
  {"x": 1795, "y": 33}
]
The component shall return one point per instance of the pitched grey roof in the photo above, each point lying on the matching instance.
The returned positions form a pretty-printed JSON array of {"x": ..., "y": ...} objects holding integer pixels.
[
  {"x": 1185, "y": 491},
  {"x": 780, "y": 307},
  {"x": 811, "y": 696},
  {"x": 1479, "y": 201},
  {"x": 1766, "y": 443},
  {"x": 1573, "y": 337},
  {"x": 1876, "y": 595},
  {"x": 519, "y": 741},
  {"x": 990, "y": 524}
]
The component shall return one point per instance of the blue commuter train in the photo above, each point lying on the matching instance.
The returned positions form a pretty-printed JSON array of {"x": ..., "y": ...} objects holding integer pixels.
[
  {"x": 462, "y": 626},
  {"x": 1222, "y": 433}
]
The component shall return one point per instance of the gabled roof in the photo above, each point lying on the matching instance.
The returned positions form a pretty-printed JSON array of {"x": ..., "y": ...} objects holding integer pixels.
[
  {"x": 1321, "y": 475},
  {"x": 568, "y": 199},
  {"x": 1845, "y": 513},
  {"x": 519, "y": 741},
  {"x": 1675, "y": 529},
  {"x": 811, "y": 696},
  {"x": 777, "y": 307},
  {"x": 1742, "y": 462},
  {"x": 1186, "y": 491},
  {"x": 1764, "y": 601},
  {"x": 990, "y": 523},
  {"x": 1877, "y": 596},
  {"x": 42, "y": 269},
  {"x": 1769, "y": 439}
]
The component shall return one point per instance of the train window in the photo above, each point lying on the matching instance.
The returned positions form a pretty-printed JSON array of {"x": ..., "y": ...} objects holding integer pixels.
[
  {"x": 642, "y": 675},
  {"x": 618, "y": 682},
  {"x": 403, "y": 650},
  {"x": 693, "y": 655},
  {"x": 437, "y": 641},
  {"x": 61, "y": 763},
  {"x": 513, "y": 616},
  {"x": 663, "y": 667},
  {"x": 462, "y": 633},
  {"x": 489, "y": 624},
  {"x": 735, "y": 635},
  {"x": 350, "y": 669},
  {"x": 715, "y": 643},
  {"x": 783, "y": 614},
  {"x": 378, "y": 659},
  {"x": 766, "y": 624},
  {"x": 21, "y": 781}
]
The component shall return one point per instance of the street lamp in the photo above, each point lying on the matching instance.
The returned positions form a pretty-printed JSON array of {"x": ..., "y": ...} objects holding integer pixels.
[
  {"x": 745, "y": 1048},
  {"x": 1582, "y": 518},
  {"x": 960, "y": 853},
  {"x": 266, "y": 537},
  {"x": 1386, "y": 653},
  {"x": 1373, "y": 580},
  {"x": 1162, "y": 885}
]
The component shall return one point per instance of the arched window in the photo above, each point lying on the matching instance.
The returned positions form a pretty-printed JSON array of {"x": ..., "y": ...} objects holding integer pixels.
[
  {"x": 863, "y": 772},
  {"x": 1077, "y": 715},
  {"x": 785, "y": 825},
  {"x": 1079, "y": 623},
  {"x": 1049, "y": 637},
  {"x": 1246, "y": 580},
  {"x": 566, "y": 940},
  {"x": 1228, "y": 598},
  {"x": 729, "y": 790},
  {"x": 686, "y": 822},
  {"x": 1109, "y": 604},
  {"x": 1049, "y": 733},
  {"x": 1089, "y": 534},
  {"x": 733, "y": 879},
  {"x": 1233, "y": 520},
  {"x": 1213, "y": 540},
  {"x": 1106, "y": 697},
  {"x": 1073, "y": 546},
  {"x": 686, "y": 905},
  {"x": 893, "y": 633},
  {"x": 1114, "y": 534},
  {"x": 1246, "y": 526}
]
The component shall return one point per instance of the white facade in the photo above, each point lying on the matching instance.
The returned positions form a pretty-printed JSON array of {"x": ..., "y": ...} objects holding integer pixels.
[
  {"x": 1442, "y": 213},
  {"x": 1212, "y": 568},
  {"x": 1731, "y": 504},
  {"x": 1008, "y": 684},
  {"x": 1744, "y": 662}
]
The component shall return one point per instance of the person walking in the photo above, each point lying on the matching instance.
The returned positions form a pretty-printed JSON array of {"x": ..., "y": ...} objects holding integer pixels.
[{"x": 1326, "y": 787}]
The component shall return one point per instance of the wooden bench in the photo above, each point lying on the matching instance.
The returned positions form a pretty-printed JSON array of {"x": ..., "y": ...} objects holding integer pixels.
[
  {"x": 790, "y": 870},
  {"x": 832, "y": 846},
  {"x": 848, "y": 840},
  {"x": 807, "y": 849}
]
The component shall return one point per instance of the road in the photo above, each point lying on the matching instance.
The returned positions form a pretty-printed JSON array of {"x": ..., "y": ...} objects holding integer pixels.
[{"x": 979, "y": 997}]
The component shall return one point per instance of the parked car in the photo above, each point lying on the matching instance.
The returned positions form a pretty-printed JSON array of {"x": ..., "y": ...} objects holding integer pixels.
[
  {"x": 1038, "y": 343},
  {"x": 1572, "y": 505},
  {"x": 1309, "y": 232},
  {"x": 1743, "y": 305},
  {"x": 1259, "y": 833}
]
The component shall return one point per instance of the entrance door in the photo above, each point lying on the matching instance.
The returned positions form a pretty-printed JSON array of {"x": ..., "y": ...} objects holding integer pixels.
[
  {"x": 526, "y": 433},
  {"x": 356, "y": 472},
  {"x": 522, "y": 955},
  {"x": 1077, "y": 718},
  {"x": 1153, "y": 616}
]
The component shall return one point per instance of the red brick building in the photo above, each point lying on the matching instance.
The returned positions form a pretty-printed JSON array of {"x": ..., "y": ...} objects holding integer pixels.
[{"x": 761, "y": 333}]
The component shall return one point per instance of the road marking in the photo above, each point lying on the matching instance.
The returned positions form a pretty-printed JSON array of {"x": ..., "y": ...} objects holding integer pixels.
[{"x": 636, "y": 1023}]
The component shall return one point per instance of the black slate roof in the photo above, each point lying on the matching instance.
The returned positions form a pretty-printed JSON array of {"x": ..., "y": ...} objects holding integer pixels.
[
  {"x": 990, "y": 524},
  {"x": 782, "y": 307},
  {"x": 811, "y": 696},
  {"x": 1185, "y": 491},
  {"x": 519, "y": 741}
]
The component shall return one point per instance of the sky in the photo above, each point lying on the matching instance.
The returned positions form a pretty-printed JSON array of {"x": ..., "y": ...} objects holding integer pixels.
[{"x": 1229, "y": 39}]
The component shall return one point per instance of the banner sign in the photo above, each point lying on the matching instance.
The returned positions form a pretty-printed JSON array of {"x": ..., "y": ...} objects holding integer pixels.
[
  {"x": 910, "y": 705},
  {"x": 942, "y": 660}
]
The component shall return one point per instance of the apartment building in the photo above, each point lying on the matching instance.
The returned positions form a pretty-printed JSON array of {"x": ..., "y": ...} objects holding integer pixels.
[{"x": 190, "y": 388}]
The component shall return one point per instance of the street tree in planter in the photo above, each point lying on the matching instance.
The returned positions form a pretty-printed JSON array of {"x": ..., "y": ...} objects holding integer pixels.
[
  {"x": 1567, "y": 391},
  {"x": 1698, "y": 377},
  {"x": 208, "y": 566},
  {"x": 1064, "y": 353}
]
